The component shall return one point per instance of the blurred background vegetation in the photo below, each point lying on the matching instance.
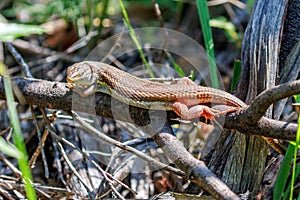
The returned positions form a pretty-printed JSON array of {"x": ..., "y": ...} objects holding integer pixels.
[
  {"x": 66, "y": 22},
  {"x": 51, "y": 35}
]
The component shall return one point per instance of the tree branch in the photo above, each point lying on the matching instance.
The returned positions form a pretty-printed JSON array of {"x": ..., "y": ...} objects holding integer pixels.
[
  {"x": 250, "y": 120},
  {"x": 56, "y": 95},
  {"x": 195, "y": 169},
  {"x": 261, "y": 103}
]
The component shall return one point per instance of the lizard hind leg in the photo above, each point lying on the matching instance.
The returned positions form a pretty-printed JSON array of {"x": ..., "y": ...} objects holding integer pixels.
[{"x": 194, "y": 112}]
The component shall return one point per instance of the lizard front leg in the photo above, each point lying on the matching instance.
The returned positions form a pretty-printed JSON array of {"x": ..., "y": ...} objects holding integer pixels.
[{"x": 83, "y": 90}]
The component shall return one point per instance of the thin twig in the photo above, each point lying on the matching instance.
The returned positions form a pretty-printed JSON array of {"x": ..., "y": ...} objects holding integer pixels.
[
  {"x": 69, "y": 163},
  {"x": 11, "y": 166},
  {"x": 158, "y": 13},
  {"x": 19, "y": 59},
  {"x": 109, "y": 140},
  {"x": 40, "y": 148},
  {"x": 87, "y": 156}
]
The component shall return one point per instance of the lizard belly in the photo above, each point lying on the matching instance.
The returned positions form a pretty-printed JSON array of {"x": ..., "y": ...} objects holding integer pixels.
[{"x": 189, "y": 101}]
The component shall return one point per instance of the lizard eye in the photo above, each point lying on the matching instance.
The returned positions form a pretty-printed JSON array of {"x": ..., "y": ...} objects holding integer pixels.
[{"x": 87, "y": 72}]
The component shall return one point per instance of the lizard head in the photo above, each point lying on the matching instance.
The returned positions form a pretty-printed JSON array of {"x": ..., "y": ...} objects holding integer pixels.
[{"x": 83, "y": 76}]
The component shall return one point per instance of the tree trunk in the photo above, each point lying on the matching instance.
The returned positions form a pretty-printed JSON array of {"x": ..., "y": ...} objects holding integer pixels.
[{"x": 240, "y": 160}]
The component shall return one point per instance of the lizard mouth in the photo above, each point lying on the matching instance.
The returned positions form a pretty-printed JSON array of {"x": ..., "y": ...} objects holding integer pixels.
[
  {"x": 70, "y": 80},
  {"x": 73, "y": 79}
]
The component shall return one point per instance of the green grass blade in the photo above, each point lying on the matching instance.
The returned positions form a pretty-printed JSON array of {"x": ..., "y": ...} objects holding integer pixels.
[
  {"x": 228, "y": 27},
  {"x": 283, "y": 173},
  {"x": 250, "y": 5},
  {"x": 297, "y": 98},
  {"x": 297, "y": 173},
  {"x": 237, "y": 70},
  {"x": 17, "y": 133},
  {"x": 10, "y": 31},
  {"x": 208, "y": 40},
  {"x": 9, "y": 149},
  {"x": 134, "y": 38},
  {"x": 178, "y": 69}
]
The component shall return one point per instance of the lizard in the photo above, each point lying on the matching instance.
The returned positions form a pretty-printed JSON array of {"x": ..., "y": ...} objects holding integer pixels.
[{"x": 185, "y": 98}]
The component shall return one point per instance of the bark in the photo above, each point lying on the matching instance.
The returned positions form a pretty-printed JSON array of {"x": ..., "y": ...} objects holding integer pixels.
[{"x": 243, "y": 164}]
